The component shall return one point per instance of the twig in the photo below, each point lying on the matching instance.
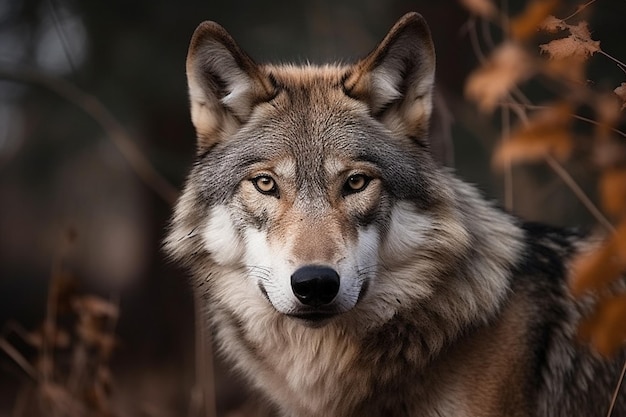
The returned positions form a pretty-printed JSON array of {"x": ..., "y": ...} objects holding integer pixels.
[
  {"x": 579, "y": 9},
  {"x": 619, "y": 63},
  {"x": 22, "y": 401},
  {"x": 506, "y": 126},
  {"x": 508, "y": 169},
  {"x": 19, "y": 359},
  {"x": 114, "y": 129},
  {"x": 474, "y": 41},
  {"x": 202, "y": 403},
  {"x": 573, "y": 115},
  {"x": 562, "y": 173},
  {"x": 617, "y": 390},
  {"x": 61, "y": 35},
  {"x": 49, "y": 332},
  {"x": 486, "y": 31},
  {"x": 579, "y": 193},
  {"x": 595, "y": 123}
]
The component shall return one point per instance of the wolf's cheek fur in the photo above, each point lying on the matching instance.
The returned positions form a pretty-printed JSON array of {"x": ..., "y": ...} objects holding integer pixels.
[
  {"x": 270, "y": 276},
  {"x": 221, "y": 239},
  {"x": 407, "y": 231}
]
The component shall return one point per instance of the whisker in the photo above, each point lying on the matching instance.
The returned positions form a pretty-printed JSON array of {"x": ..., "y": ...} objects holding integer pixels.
[
  {"x": 369, "y": 269},
  {"x": 256, "y": 267},
  {"x": 189, "y": 235},
  {"x": 259, "y": 272}
]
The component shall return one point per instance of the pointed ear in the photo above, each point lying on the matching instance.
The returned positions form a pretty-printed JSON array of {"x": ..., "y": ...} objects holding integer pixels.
[
  {"x": 397, "y": 78},
  {"x": 224, "y": 84}
]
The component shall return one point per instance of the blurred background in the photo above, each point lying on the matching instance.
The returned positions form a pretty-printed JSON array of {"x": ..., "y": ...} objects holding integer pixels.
[{"x": 80, "y": 79}]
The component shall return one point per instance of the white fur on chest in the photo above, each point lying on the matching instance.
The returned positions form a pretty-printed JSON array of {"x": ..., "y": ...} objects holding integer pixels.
[{"x": 319, "y": 372}]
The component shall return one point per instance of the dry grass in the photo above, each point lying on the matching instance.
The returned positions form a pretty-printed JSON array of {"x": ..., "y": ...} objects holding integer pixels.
[{"x": 69, "y": 372}]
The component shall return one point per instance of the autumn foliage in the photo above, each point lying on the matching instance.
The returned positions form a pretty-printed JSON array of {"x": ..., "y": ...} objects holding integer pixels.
[{"x": 537, "y": 45}]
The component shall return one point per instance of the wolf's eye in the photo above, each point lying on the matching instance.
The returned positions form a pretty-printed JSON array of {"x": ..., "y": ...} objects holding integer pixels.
[
  {"x": 265, "y": 185},
  {"x": 356, "y": 183}
]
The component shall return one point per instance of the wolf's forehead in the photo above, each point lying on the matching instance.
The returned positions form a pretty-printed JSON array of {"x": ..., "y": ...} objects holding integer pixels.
[
  {"x": 307, "y": 76},
  {"x": 311, "y": 123},
  {"x": 314, "y": 91},
  {"x": 308, "y": 142},
  {"x": 294, "y": 168}
]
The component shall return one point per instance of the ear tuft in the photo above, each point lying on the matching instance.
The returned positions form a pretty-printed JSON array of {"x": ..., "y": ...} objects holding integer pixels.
[
  {"x": 224, "y": 83},
  {"x": 396, "y": 79}
]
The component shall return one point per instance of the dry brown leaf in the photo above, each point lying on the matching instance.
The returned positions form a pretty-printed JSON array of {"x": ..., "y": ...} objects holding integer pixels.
[
  {"x": 579, "y": 44},
  {"x": 90, "y": 332},
  {"x": 483, "y": 8},
  {"x": 570, "y": 47},
  {"x": 620, "y": 244},
  {"x": 606, "y": 328},
  {"x": 534, "y": 144},
  {"x": 546, "y": 133},
  {"x": 95, "y": 306},
  {"x": 581, "y": 31},
  {"x": 98, "y": 395},
  {"x": 44, "y": 365},
  {"x": 609, "y": 152},
  {"x": 608, "y": 113},
  {"x": 607, "y": 107},
  {"x": 57, "y": 400},
  {"x": 34, "y": 339},
  {"x": 508, "y": 65},
  {"x": 63, "y": 286},
  {"x": 552, "y": 24},
  {"x": 613, "y": 191},
  {"x": 602, "y": 266},
  {"x": 57, "y": 338},
  {"x": 621, "y": 93},
  {"x": 526, "y": 24},
  {"x": 596, "y": 269}
]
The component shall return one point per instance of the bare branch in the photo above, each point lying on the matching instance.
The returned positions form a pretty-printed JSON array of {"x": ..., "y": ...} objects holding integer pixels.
[
  {"x": 617, "y": 390},
  {"x": 202, "y": 402},
  {"x": 579, "y": 193},
  {"x": 19, "y": 359},
  {"x": 114, "y": 129}
]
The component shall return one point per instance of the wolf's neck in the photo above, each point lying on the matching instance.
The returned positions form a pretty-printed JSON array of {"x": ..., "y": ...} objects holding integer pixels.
[{"x": 442, "y": 269}]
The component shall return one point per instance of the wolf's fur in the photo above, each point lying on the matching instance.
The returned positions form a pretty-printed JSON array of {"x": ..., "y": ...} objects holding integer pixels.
[{"x": 446, "y": 306}]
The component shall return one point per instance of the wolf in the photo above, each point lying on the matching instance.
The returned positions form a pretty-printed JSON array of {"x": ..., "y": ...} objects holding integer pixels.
[{"x": 345, "y": 272}]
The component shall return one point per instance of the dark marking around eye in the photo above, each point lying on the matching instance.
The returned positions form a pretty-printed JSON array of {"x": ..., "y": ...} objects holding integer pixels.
[{"x": 266, "y": 185}]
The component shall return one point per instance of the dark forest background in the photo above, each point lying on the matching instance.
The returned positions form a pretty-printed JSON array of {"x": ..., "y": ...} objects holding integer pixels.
[{"x": 69, "y": 196}]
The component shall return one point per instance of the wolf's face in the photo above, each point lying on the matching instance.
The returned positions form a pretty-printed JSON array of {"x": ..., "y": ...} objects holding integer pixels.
[
  {"x": 312, "y": 180},
  {"x": 302, "y": 221},
  {"x": 306, "y": 201}
]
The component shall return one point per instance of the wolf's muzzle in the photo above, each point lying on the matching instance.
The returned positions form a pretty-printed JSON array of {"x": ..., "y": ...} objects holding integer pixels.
[{"x": 315, "y": 285}]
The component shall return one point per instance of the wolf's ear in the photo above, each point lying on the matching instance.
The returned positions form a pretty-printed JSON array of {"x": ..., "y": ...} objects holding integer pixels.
[
  {"x": 396, "y": 79},
  {"x": 224, "y": 83}
]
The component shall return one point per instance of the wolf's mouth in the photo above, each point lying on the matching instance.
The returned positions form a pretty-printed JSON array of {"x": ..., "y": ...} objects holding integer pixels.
[
  {"x": 313, "y": 316},
  {"x": 313, "y": 319},
  {"x": 264, "y": 292}
]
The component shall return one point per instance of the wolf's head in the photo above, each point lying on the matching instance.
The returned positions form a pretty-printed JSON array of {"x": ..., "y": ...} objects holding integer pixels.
[{"x": 316, "y": 181}]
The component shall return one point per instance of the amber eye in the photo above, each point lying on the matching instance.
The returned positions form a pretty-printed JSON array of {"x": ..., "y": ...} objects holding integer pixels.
[
  {"x": 265, "y": 185},
  {"x": 356, "y": 183}
]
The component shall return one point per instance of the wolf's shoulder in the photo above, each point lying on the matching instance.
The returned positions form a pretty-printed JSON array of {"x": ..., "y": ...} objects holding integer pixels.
[{"x": 548, "y": 250}]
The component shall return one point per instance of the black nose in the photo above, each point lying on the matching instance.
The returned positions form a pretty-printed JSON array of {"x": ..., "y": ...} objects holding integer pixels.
[{"x": 315, "y": 285}]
